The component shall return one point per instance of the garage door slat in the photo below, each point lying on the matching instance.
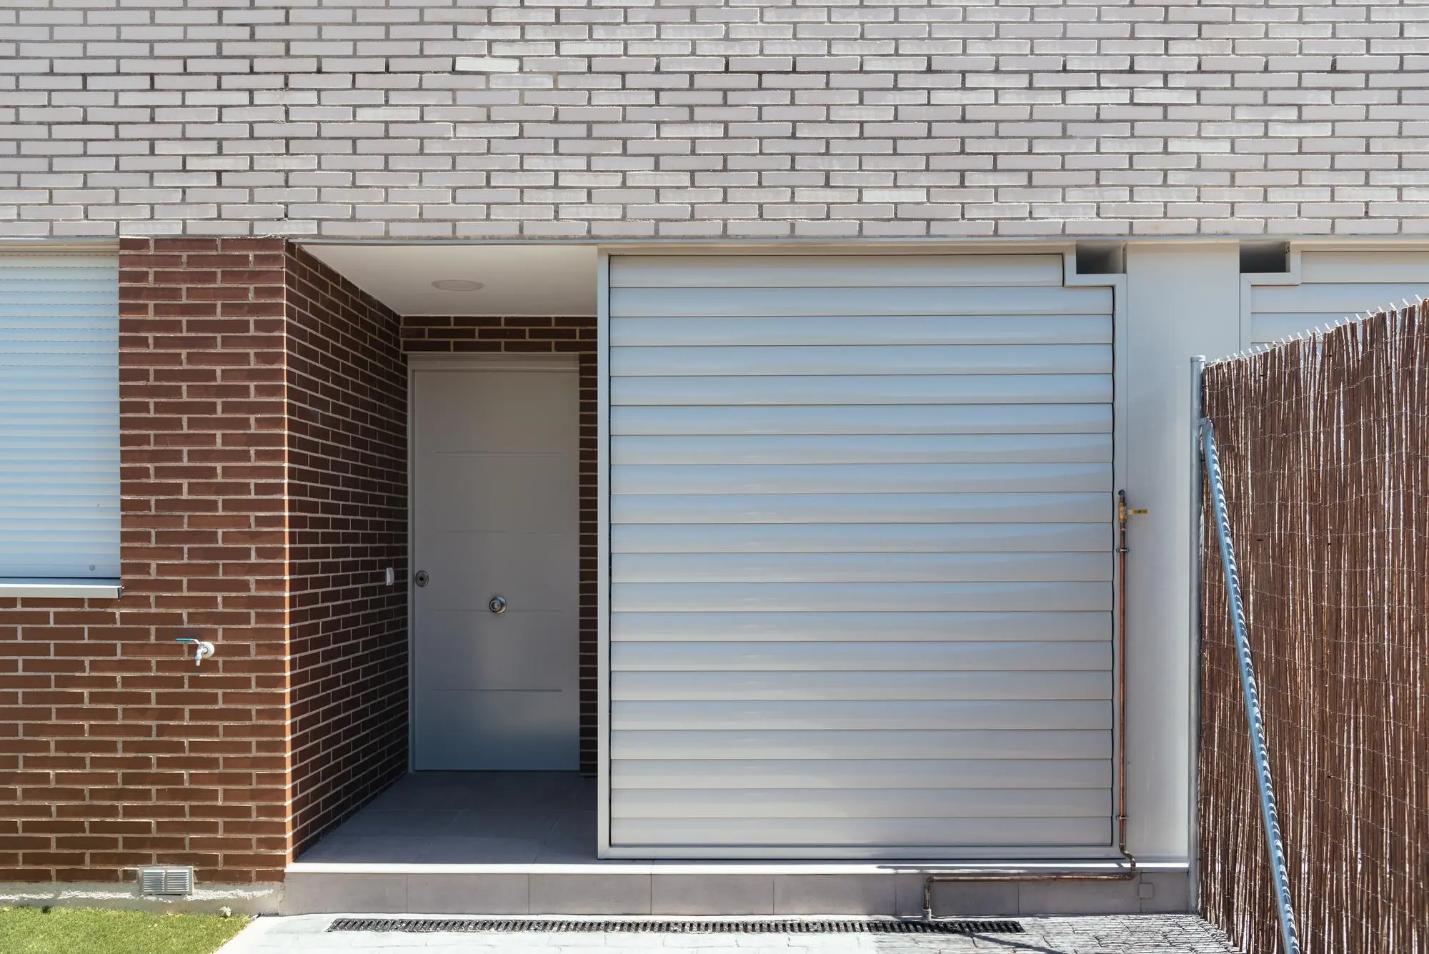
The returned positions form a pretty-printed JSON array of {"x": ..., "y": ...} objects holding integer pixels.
[
  {"x": 916, "y": 773},
  {"x": 776, "y": 390},
  {"x": 864, "y": 449},
  {"x": 859, "y": 715},
  {"x": 966, "y": 507},
  {"x": 880, "y": 835},
  {"x": 873, "y": 656},
  {"x": 873, "y": 686},
  {"x": 716, "y": 300},
  {"x": 859, "y": 478},
  {"x": 863, "y": 803},
  {"x": 921, "y": 567},
  {"x": 823, "y": 744},
  {"x": 860, "y": 538},
  {"x": 843, "y": 359},
  {"x": 997, "y": 419},
  {"x": 866, "y": 330},
  {"x": 1019, "y": 625}
]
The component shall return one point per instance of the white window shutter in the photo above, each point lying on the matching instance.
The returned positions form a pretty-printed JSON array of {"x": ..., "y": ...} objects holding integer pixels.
[{"x": 59, "y": 417}]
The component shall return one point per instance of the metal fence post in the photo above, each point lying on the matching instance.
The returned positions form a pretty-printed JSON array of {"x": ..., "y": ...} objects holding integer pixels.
[
  {"x": 1276, "y": 846},
  {"x": 1197, "y": 538}
]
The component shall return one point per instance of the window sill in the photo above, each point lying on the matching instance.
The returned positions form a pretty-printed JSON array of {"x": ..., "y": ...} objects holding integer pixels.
[{"x": 61, "y": 589}]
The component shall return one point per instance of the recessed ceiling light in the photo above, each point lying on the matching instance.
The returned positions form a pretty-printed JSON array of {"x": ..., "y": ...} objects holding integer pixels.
[{"x": 457, "y": 284}]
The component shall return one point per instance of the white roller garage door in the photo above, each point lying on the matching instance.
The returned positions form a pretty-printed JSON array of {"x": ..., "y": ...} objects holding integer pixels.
[
  {"x": 860, "y": 555},
  {"x": 1333, "y": 284}
]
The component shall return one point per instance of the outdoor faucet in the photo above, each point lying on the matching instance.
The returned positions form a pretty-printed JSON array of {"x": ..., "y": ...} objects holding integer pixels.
[{"x": 202, "y": 648}]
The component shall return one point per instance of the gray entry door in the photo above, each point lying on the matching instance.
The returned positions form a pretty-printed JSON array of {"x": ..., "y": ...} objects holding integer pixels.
[{"x": 496, "y": 517}]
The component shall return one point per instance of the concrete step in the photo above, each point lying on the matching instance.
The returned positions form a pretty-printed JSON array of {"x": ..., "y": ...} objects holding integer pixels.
[{"x": 716, "y": 890}]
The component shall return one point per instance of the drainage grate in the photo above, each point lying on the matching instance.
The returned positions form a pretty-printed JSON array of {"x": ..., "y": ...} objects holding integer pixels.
[{"x": 528, "y": 925}]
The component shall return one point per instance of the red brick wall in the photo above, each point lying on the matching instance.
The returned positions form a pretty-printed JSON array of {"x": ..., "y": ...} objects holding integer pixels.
[
  {"x": 116, "y": 750},
  {"x": 263, "y": 430},
  {"x": 347, "y": 465},
  {"x": 447, "y": 334}
]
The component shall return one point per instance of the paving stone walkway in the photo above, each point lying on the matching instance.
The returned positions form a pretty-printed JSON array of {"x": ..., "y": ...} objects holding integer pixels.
[{"x": 1122, "y": 934}]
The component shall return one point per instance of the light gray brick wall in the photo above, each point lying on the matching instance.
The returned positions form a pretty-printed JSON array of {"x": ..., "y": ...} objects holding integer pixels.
[{"x": 703, "y": 119}]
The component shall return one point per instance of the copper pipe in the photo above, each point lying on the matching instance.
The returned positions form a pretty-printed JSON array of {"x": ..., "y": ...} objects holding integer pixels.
[{"x": 1123, "y": 513}]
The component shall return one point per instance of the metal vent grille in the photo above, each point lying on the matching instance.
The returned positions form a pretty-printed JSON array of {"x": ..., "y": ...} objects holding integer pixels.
[
  {"x": 166, "y": 881},
  {"x": 806, "y": 926}
]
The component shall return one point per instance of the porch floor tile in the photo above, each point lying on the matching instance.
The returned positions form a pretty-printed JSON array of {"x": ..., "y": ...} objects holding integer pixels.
[{"x": 469, "y": 818}]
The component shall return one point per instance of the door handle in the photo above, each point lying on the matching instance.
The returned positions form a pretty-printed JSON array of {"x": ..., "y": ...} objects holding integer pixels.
[
  {"x": 422, "y": 578},
  {"x": 497, "y": 604}
]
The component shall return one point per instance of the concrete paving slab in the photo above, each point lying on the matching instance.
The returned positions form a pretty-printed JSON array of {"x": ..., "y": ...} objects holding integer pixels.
[{"x": 1119, "y": 934}]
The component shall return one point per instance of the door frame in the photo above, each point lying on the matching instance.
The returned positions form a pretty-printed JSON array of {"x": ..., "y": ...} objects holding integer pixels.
[{"x": 427, "y": 362}]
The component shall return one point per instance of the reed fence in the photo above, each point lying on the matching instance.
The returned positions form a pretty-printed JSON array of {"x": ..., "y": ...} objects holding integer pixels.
[{"x": 1324, "y": 449}]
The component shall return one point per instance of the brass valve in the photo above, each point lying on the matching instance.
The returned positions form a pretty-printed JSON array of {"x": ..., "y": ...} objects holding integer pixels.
[{"x": 1123, "y": 511}]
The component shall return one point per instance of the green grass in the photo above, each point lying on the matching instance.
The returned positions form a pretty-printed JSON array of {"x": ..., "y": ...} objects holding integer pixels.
[{"x": 82, "y": 931}]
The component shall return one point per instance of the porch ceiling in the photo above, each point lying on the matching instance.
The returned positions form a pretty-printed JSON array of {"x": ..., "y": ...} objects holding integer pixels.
[{"x": 514, "y": 279}]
